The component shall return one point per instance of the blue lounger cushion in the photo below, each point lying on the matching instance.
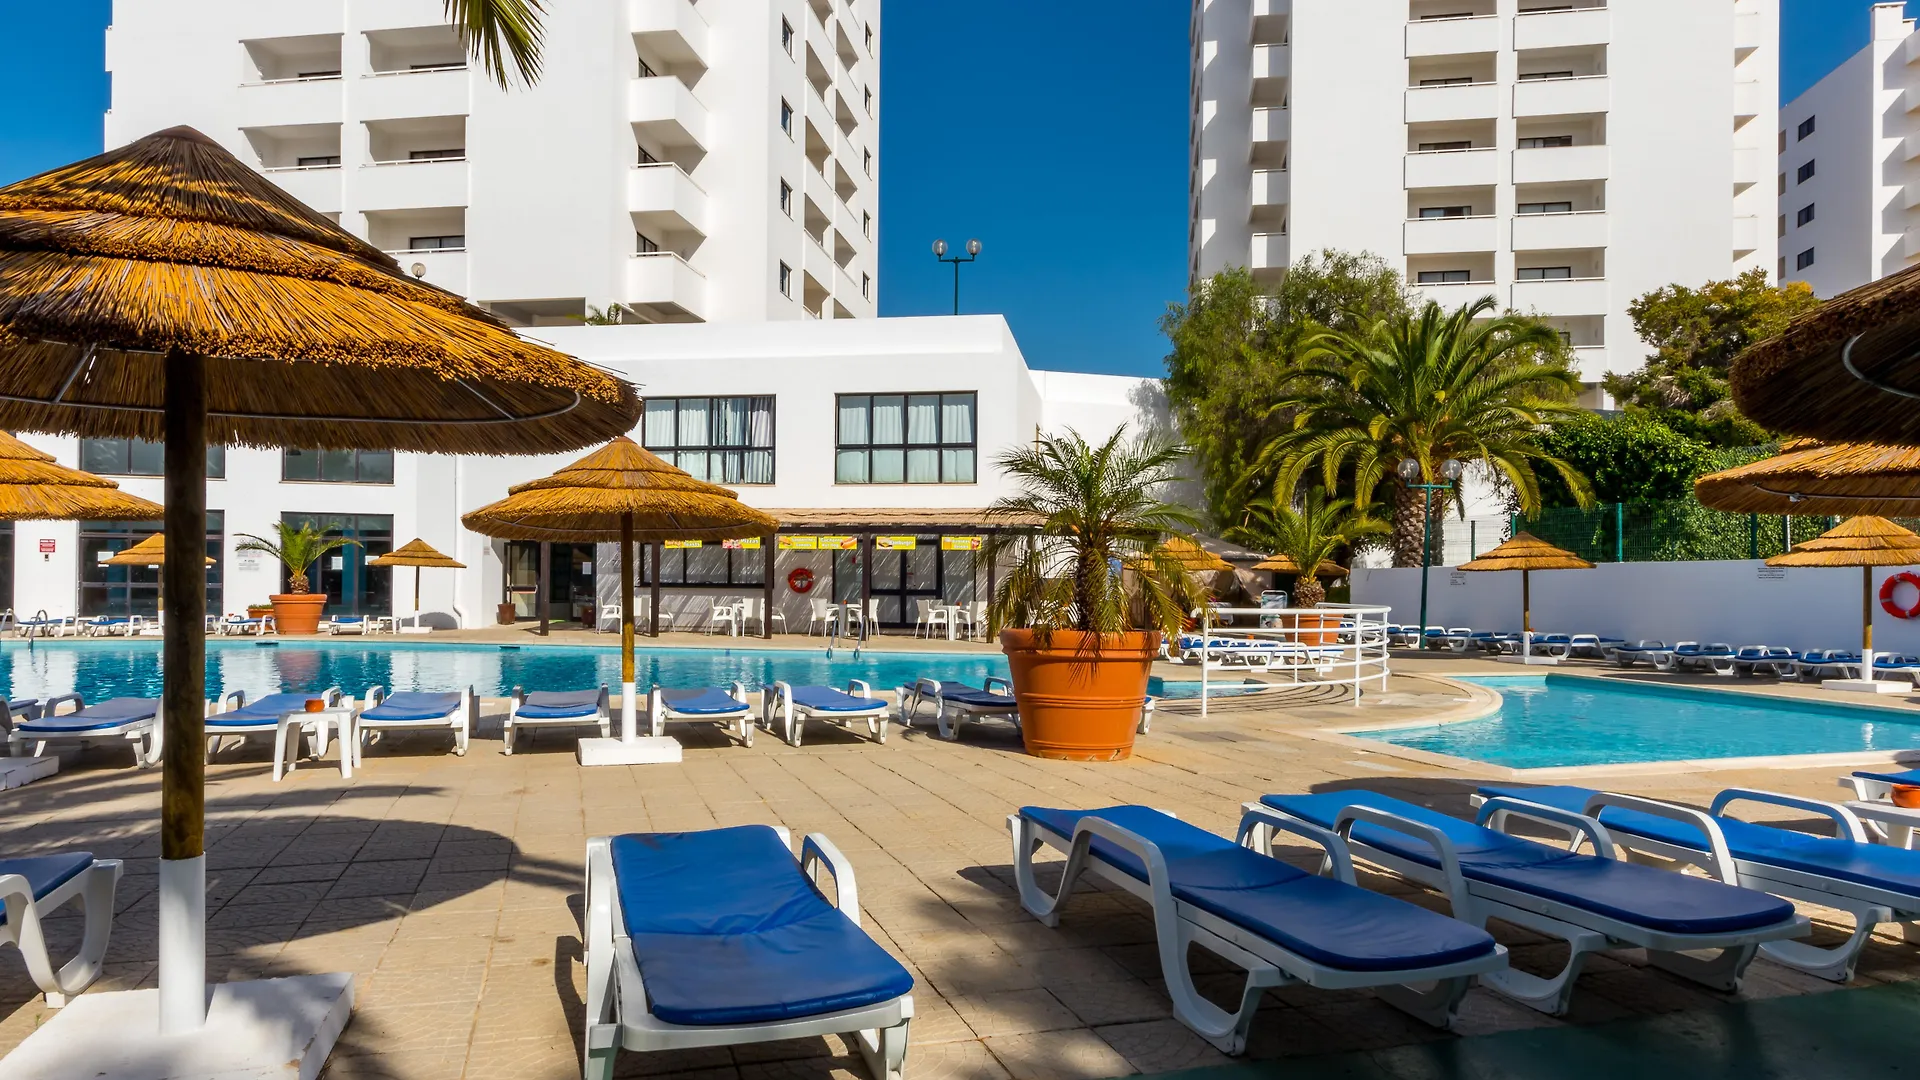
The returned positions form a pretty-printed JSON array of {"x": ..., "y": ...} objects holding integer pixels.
[
  {"x": 727, "y": 930},
  {"x": 559, "y": 705},
  {"x": 1638, "y": 895},
  {"x": 1873, "y": 865},
  {"x": 45, "y": 873},
  {"x": 827, "y": 699},
  {"x": 962, "y": 694},
  {"x": 111, "y": 713},
  {"x": 1890, "y": 776},
  {"x": 264, "y": 710},
  {"x": 413, "y": 705},
  {"x": 705, "y": 701},
  {"x": 1325, "y": 920}
]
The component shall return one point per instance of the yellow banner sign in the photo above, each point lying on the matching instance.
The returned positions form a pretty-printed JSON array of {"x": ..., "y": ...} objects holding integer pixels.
[
  {"x": 839, "y": 543},
  {"x": 680, "y": 545},
  {"x": 961, "y": 543},
  {"x": 751, "y": 543},
  {"x": 797, "y": 543},
  {"x": 896, "y": 543}
]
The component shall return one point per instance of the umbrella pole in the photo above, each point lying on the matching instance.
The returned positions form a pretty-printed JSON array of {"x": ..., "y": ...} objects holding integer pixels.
[
  {"x": 183, "y": 585},
  {"x": 626, "y": 627},
  {"x": 653, "y": 606},
  {"x": 1526, "y": 614},
  {"x": 416, "y": 598},
  {"x": 1866, "y": 623}
]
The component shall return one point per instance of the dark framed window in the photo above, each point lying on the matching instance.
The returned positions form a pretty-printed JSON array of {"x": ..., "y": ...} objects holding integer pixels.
[
  {"x": 1545, "y": 208},
  {"x": 1449, "y": 144},
  {"x": 137, "y": 457},
  {"x": 646, "y": 70},
  {"x": 1428, "y": 212},
  {"x": 786, "y": 117},
  {"x": 644, "y": 244},
  {"x": 337, "y": 466},
  {"x": 710, "y": 566},
  {"x": 1545, "y": 142},
  {"x": 728, "y": 440},
  {"x": 1545, "y": 273},
  {"x": 866, "y": 286},
  {"x": 1539, "y": 76},
  {"x": 786, "y": 281},
  {"x": 1805, "y": 129},
  {"x": 786, "y": 198},
  {"x": 135, "y": 590},
  {"x": 1461, "y": 80},
  {"x": 1805, "y": 215},
  {"x": 317, "y": 161},
  {"x": 1805, "y": 172},
  {"x": 646, "y": 156},
  {"x": 448, "y": 242},
  {"x": 1443, "y": 277},
  {"x": 457, "y": 153},
  {"x": 352, "y": 587},
  {"x": 1803, "y": 260},
  {"x": 904, "y": 439},
  {"x": 786, "y": 36}
]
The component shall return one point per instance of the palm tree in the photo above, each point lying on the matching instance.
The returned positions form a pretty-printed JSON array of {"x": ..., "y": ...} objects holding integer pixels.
[
  {"x": 1310, "y": 534},
  {"x": 494, "y": 31},
  {"x": 1427, "y": 386},
  {"x": 299, "y": 547},
  {"x": 1096, "y": 505}
]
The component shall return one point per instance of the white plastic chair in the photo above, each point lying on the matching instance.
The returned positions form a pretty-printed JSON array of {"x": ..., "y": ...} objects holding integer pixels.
[
  {"x": 609, "y": 613},
  {"x": 822, "y": 611},
  {"x": 925, "y": 619},
  {"x": 725, "y": 612},
  {"x": 755, "y": 611}
]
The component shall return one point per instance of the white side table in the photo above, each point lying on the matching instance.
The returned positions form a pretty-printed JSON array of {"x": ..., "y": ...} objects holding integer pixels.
[{"x": 286, "y": 739}]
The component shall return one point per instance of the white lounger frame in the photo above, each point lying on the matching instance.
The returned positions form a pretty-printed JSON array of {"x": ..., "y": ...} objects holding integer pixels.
[
  {"x": 94, "y": 888},
  {"x": 924, "y": 690},
  {"x": 660, "y": 713},
  {"x": 1893, "y": 825},
  {"x": 617, "y": 1016},
  {"x": 1585, "y": 932},
  {"x": 237, "y": 699},
  {"x": 778, "y": 701},
  {"x": 143, "y": 734},
  {"x": 603, "y": 718},
  {"x": 461, "y": 721},
  {"x": 1179, "y": 925}
]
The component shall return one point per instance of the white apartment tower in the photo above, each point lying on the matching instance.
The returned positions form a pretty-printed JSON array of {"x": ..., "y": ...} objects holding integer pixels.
[
  {"x": 1563, "y": 156},
  {"x": 677, "y": 161},
  {"x": 1849, "y": 181}
]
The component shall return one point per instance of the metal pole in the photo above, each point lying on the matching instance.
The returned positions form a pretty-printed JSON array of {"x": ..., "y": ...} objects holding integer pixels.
[
  {"x": 864, "y": 548},
  {"x": 1619, "y": 532},
  {"x": 1866, "y": 623},
  {"x": 1206, "y": 639},
  {"x": 766, "y": 603},
  {"x": 1753, "y": 536},
  {"x": 416, "y": 598},
  {"x": 183, "y": 587},
  {"x": 956, "y": 286},
  {"x": 993, "y": 583},
  {"x": 654, "y": 604},
  {"x": 627, "y": 722},
  {"x": 1426, "y": 558},
  {"x": 542, "y": 602}
]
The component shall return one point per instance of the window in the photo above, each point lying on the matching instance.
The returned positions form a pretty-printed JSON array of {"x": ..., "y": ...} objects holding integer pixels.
[
  {"x": 1805, "y": 129},
  {"x": 1805, "y": 172},
  {"x": 786, "y": 117},
  {"x": 137, "y": 457},
  {"x": 866, "y": 163},
  {"x": 728, "y": 440},
  {"x": 1545, "y": 142},
  {"x": 1460, "y": 80},
  {"x": 643, "y": 245},
  {"x": 135, "y": 590},
  {"x": 647, "y": 158},
  {"x": 1782, "y": 275},
  {"x": 786, "y": 36},
  {"x": 712, "y": 566},
  {"x": 1783, "y": 184},
  {"x": 1783, "y": 141},
  {"x": 449, "y": 242},
  {"x": 869, "y": 39},
  {"x": 337, "y": 466},
  {"x": 1803, "y": 260},
  {"x": 1805, "y": 215},
  {"x": 352, "y": 587},
  {"x": 786, "y": 281},
  {"x": 1443, "y": 277},
  {"x": 332, "y": 74},
  {"x": 869, "y": 99},
  {"x": 866, "y": 286},
  {"x": 1536, "y": 76},
  {"x": 317, "y": 161},
  {"x": 1545, "y": 273},
  {"x": 866, "y": 224},
  {"x": 646, "y": 71},
  {"x": 1545, "y": 208},
  {"x": 456, "y": 153},
  {"x": 904, "y": 439},
  {"x": 1782, "y": 231},
  {"x": 786, "y": 198},
  {"x": 1449, "y": 15},
  {"x": 1446, "y": 211},
  {"x": 1450, "y": 144}
]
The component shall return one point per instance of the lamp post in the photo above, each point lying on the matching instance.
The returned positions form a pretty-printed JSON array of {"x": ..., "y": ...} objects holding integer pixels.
[
  {"x": 940, "y": 253},
  {"x": 1414, "y": 476}
]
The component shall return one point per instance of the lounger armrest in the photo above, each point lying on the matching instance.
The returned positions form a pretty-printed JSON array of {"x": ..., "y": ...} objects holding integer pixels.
[
  {"x": 1495, "y": 812},
  {"x": 1717, "y": 853},
  {"x": 1006, "y": 684},
  {"x": 1846, "y": 824},
  {"x": 1339, "y": 859},
  {"x": 859, "y": 688},
  {"x": 817, "y": 850},
  {"x": 376, "y": 695},
  {"x": 518, "y": 697},
  {"x": 1442, "y": 847},
  {"x": 52, "y": 707},
  {"x": 235, "y": 699},
  {"x": 1885, "y": 813}
]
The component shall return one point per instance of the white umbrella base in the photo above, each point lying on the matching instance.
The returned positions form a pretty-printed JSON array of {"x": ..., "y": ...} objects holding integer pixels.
[
  {"x": 644, "y": 750},
  {"x": 269, "y": 1029},
  {"x": 1867, "y": 686},
  {"x": 416, "y": 629},
  {"x": 1530, "y": 661}
]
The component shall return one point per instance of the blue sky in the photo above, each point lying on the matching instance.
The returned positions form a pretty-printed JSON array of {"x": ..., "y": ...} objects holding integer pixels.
[{"x": 1054, "y": 132}]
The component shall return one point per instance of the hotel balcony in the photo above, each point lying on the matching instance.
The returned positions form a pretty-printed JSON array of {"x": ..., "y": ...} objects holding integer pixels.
[
  {"x": 1560, "y": 232},
  {"x": 1910, "y": 243},
  {"x": 1579, "y": 26},
  {"x": 1453, "y": 37},
  {"x": 1271, "y": 191},
  {"x": 671, "y": 30},
  {"x": 1561, "y": 164},
  {"x": 1453, "y": 295},
  {"x": 1746, "y": 235},
  {"x": 1566, "y": 296},
  {"x": 1472, "y": 101},
  {"x": 663, "y": 109},
  {"x": 1270, "y": 251},
  {"x": 663, "y": 286},
  {"x": 815, "y": 261},
  {"x": 1750, "y": 165},
  {"x": 664, "y": 198},
  {"x": 291, "y": 102},
  {"x": 318, "y": 186},
  {"x": 395, "y": 95},
  {"x": 1562, "y": 97},
  {"x": 1591, "y": 362},
  {"x": 443, "y": 267},
  {"x": 1452, "y": 168},
  {"x": 1271, "y": 125},
  {"x": 1447, "y": 236},
  {"x": 1748, "y": 32},
  {"x": 1749, "y": 100},
  {"x": 1271, "y": 62},
  {"x": 408, "y": 185}
]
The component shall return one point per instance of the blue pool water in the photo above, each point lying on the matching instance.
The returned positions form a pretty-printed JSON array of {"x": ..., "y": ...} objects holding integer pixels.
[{"x": 1556, "y": 720}]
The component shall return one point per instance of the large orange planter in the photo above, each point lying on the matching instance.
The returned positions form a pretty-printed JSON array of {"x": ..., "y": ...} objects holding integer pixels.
[
  {"x": 298, "y": 613},
  {"x": 1079, "y": 702}
]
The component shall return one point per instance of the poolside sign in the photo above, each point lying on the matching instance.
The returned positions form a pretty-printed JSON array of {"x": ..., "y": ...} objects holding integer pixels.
[
  {"x": 961, "y": 543},
  {"x": 680, "y": 545},
  {"x": 797, "y": 543},
  {"x": 751, "y": 543},
  {"x": 895, "y": 543},
  {"x": 46, "y": 547},
  {"x": 839, "y": 543}
]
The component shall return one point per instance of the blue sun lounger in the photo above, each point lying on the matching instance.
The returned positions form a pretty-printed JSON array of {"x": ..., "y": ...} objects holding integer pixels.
[
  {"x": 133, "y": 719},
  {"x": 34, "y": 887},
  {"x": 794, "y": 705},
  {"x": 1592, "y": 902},
  {"x": 964, "y": 702},
  {"x": 726, "y": 709},
  {"x": 1750, "y": 659},
  {"x": 1715, "y": 656},
  {"x": 721, "y": 938},
  {"x": 1646, "y": 651},
  {"x": 557, "y": 708},
  {"x": 455, "y": 711},
  {"x": 263, "y": 716},
  {"x": 16, "y": 710},
  {"x": 1593, "y": 646},
  {"x": 1872, "y": 882},
  {"x": 1282, "y": 925}
]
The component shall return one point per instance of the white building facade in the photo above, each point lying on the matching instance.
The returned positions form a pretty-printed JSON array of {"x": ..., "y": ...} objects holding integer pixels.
[
  {"x": 1562, "y": 156},
  {"x": 676, "y": 162},
  {"x": 1849, "y": 178}
]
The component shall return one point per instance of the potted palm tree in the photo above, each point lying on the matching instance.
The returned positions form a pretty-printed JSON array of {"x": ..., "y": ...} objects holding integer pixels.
[
  {"x": 298, "y": 610},
  {"x": 1079, "y": 667}
]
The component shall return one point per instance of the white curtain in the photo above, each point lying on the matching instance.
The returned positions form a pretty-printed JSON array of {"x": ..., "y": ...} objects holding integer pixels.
[
  {"x": 853, "y": 420},
  {"x": 889, "y": 420},
  {"x": 730, "y": 421},
  {"x": 657, "y": 430},
  {"x": 756, "y": 467},
  {"x": 958, "y": 466},
  {"x": 850, "y": 467},
  {"x": 693, "y": 422},
  {"x": 956, "y": 418},
  {"x": 923, "y": 466},
  {"x": 760, "y": 422},
  {"x": 923, "y": 419}
]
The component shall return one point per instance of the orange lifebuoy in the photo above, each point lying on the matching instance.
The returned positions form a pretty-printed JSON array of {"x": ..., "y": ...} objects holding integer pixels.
[
  {"x": 800, "y": 580},
  {"x": 1892, "y": 583}
]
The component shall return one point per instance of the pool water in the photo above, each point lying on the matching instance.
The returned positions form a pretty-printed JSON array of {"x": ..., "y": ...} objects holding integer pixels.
[{"x": 1556, "y": 720}]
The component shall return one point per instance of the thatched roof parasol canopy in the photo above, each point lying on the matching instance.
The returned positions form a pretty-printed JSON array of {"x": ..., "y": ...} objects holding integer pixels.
[
  {"x": 1842, "y": 372},
  {"x": 313, "y": 338},
  {"x": 34, "y": 488},
  {"x": 1527, "y": 552},
  {"x": 417, "y": 553},
  {"x": 584, "y": 502},
  {"x": 1284, "y": 564},
  {"x": 1857, "y": 541},
  {"x": 149, "y": 552},
  {"x": 1193, "y": 558},
  {"x": 1819, "y": 478}
]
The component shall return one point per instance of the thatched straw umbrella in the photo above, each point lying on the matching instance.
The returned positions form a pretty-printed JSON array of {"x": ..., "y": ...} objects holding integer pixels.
[
  {"x": 417, "y": 553},
  {"x": 149, "y": 552},
  {"x": 34, "y": 488},
  {"x": 1865, "y": 542},
  {"x": 1193, "y": 558},
  {"x": 1284, "y": 564},
  {"x": 1842, "y": 371},
  {"x": 1809, "y": 477},
  {"x": 1527, "y": 553},
  {"x": 621, "y": 493},
  {"x": 165, "y": 291}
]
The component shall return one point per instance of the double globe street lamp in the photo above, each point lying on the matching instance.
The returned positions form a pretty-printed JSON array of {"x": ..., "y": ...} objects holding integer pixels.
[
  {"x": 940, "y": 253},
  {"x": 1414, "y": 475}
]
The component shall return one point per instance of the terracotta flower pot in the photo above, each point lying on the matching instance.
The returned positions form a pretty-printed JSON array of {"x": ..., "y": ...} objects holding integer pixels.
[
  {"x": 298, "y": 613},
  {"x": 1079, "y": 703}
]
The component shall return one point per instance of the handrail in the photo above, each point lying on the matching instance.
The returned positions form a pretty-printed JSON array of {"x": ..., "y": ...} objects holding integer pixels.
[
  {"x": 1556, "y": 280},
  {"x": 1448, "y": 19},
  {"x": 416, "y": 161},
  {"x": 426, "y": 251},
  {"x": 1520, "y": 79},
  {"x": 292, "y": 79},
  {"x": 676, "y": 256},
  {"x": 1357, "y": 652},
  {"x": 1557, "y": 213},
  {"x": 427, "y": 70},
  {"x": 1458, "y": 217},
  {"x": 1562, "y": 10},
  {"x": 1454, "y": 85},
  {"x": 296, "y": 168},
  {"x": 1461, "y": 150}
]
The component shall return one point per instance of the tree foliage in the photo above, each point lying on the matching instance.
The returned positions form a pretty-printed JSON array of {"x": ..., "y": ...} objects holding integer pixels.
[
  {"x": 1311, "y": 533},
  {"x": 1626, "y": 458},
  {"x": 298, "y": 547},
  {"x": 501, "y": 32}
]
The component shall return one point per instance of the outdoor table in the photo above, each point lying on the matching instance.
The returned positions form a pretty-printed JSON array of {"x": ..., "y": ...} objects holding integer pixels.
[{"x": 287, "y": 749}]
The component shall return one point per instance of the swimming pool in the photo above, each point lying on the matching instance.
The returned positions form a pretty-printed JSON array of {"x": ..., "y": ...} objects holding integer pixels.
[{"x": 1558, "y": 720}]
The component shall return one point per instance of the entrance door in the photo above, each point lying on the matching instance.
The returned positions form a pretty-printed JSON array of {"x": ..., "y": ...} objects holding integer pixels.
[
  {"x": 901, "y": 579},
  {"x": 570, "y": 588}
]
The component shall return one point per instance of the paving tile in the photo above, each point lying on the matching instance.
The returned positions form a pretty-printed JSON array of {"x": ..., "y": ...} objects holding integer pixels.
[
  {"x": 1058, "y": 1055},
  {"x": 1159, "y": 1046},
  {"x": 1013, "y": 1012}
]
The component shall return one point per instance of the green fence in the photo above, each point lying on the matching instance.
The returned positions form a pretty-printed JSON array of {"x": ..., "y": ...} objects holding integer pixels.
[{"x": 1675, "y": 530}]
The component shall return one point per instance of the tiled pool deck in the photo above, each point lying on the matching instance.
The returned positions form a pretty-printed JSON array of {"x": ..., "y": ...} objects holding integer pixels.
[{"x": 451, "y": 886}]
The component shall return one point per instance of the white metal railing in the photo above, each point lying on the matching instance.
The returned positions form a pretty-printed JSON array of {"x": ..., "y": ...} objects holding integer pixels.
[
  {"x": 297, "y": 168},
  {"x": 675, "y": 166},
  {"x": 1350, "y": 652},
  {"x": 674, "y": 255},
  {"x": 335, "y": 77},
  {"x": 424, "y": 69},
  {"x": 1455, "y": 150},
  {"x": 414, "y": 161}
]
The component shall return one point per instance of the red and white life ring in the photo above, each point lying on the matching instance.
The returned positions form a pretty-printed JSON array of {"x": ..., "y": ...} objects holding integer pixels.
[
  {"x": 800, "y": 580},
  {"x": 1893, "y": 583}
]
